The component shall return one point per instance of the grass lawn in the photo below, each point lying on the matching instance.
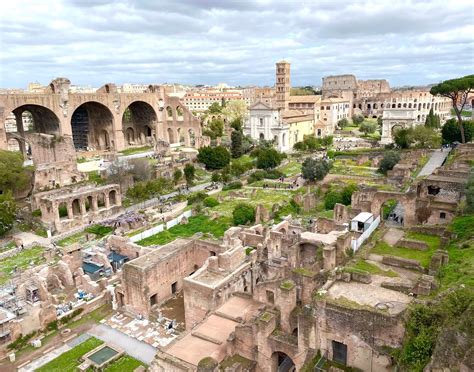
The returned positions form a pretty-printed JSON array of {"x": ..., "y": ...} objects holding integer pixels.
[
  {"x": 362, "y": 265},
  {"x": 68, "y": 361},
  {"x": 348, "y": 167},
  {"x": 292, "y": 168},
  {"x": 136, "y": 150},
  {"x": 423, "y": 257},
  {"x": 460, "y": 269},
  {"x": 20, "y": 261},
  {"x": 124, "y": 364},
  {"x": 195, "y": 224},
  {"x": 267, "y": 197}
]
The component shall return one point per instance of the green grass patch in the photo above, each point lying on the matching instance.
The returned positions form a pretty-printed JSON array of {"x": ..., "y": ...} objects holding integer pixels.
[
  {"x": 371, "y": 268},
  {"x": 326, "y": 214},
  {"x": 99, "y": 230},
  {"x": 423, "y": 257},
  {"x": 68, "y": 361},
  {"x": 124, "y": 364},
  {"x": 20, "y": 261},
  {"x": 196, "y": 224},
  {"x": 136, "y": 150},
  {"x": 290, "y": 169},
  {"x": 95, "y": 177},
  {"x": 304, "y": 272},
  {"x": 462, "y": 226}
]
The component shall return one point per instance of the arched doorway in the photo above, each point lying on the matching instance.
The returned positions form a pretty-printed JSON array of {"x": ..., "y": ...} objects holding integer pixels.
[
  {"x": 130, "y": 136},
  {"x": 91, "y": 124},
  {"x": 192, "y": 138},
  {"x": 171, "y": 138},
  {"x": 282, "y": 362},
  {"x": 392, "y": 212},
  {"x": 141, "y": 118}
]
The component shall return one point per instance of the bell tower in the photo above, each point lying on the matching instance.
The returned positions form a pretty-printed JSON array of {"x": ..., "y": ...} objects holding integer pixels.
[{"x": 282, "y": 84}]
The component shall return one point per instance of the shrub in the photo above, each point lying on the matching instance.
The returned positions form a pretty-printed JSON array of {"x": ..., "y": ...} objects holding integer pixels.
[
  {"x": 196, "y": 197},
  {"x": 214, "y": 157},
  {"x": 273, "y": 174},
  {"x": 451, "y": 133},
  {"x": 300, "y": 146},
  {"x": 99, "y": 230},
  {"x": 390, "y": 159},
  {"x": 7, "y": 212},
  {"x": 367, "y": 127},
  {"x": 258, "y": 175},
  {"x": 243, "y": 213},
  {"x": 189, "y": 173},
  {"x": 331, "y": 198},
  {"x": 216, "y": 177},
  {"x": 343, "y": 123},
  {"x": 314, "y": 169},
  {"x": 177, "y": 175},
  {"x": 268, "y": 158},
  {"x": 36, "y": 213},
  {"x": 210, "y": 202},
  {"x": 357, "y": 119},
  {"x": 232, "y": 186}
]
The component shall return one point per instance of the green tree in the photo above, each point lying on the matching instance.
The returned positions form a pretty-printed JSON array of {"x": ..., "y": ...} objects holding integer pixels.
[
  {"x": 243, "y": 213},
  {"x": 234, "y": 110},
  {"x": 13, "y": 176},
  {"x": 268, "y": 158},
  {"x": 7, "y": 212},
  {"x": 327, "y": 141},
  {"x": 458, "y": 91},
  {"x": 451, "y": 132},
  {"x": 214, "y": 157},
  {"x": 236, "y": 139},
  {"x": 432, "y": 120},
  {"x": 343, "y": 123},
  {"x": 300, "y": 146},
  {"x": 424, "y": 137},
  {"x": 367, "y": 127},
  {"x": 331, "y": 198},
  {"x": 357, "y": 119},
  {"x": 236, "y": 124},
  {"x": 401, "y": 138},
  {"x": 189, "y": 173},
  {"x": 215, "y": 108},
  {"x": 346, "y": 193},
  {"x": 177, "y": 175},
  {"x": 390, "y": 158},
  {"x": 314, "y": 169},
  {"x": 214, "y": 129}
]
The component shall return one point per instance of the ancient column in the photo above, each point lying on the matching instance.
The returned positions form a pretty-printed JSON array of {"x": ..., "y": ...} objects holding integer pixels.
[
  {"x": 21, "y": 131},
  {"x": 70, "y": 214},
  {"x": 107, "y": 200},
  {"x": 94, "y": 205},
  {"x": 82, "y": 204}
]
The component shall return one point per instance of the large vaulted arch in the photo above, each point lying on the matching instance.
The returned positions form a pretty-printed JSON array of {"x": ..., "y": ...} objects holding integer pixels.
[
  {"x": 92, "y": 127},
  {"x": 139, "y": 122}
]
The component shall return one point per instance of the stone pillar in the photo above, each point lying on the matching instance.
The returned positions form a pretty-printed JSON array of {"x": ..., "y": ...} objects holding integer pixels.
[
  {"x": 82, "y": 204},
  {"x": 21, "y": 131},
  {"x": 286, "y": 303},
  {"x": 107, "y": 200},
  {"x": 94, "y": 205},
  {"x": 70, "y": 213}
]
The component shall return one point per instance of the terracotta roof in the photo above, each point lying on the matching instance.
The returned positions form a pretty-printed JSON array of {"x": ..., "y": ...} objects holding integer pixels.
[{"x": 305, "y": 99}]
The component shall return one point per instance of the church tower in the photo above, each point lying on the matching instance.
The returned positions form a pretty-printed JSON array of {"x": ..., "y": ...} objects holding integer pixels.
[{"x": 282, "y": 84}]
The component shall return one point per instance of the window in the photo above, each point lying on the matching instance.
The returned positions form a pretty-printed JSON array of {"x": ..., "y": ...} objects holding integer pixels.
[
  {"x": 270, "y": 297},
  {"x": 339, "y": 352},
  {"x": 154, "y": 299},
  {"x": 174, "y": 287},
  {"x": 442, "y": 215},
  {"x": 261, "y": 121}
]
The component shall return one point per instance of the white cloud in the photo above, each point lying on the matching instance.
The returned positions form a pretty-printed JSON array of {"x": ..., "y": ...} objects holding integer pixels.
[{"x": 237, "y": 41}]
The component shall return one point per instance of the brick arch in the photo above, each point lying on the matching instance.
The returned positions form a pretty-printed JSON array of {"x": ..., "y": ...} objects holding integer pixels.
[
  {"x": 407, "y": 200},
  {"x": 45, "y": 119},
  {"x": 143, "y": 121}
]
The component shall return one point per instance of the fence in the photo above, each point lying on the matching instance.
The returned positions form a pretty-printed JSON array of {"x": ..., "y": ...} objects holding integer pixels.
[
  {"x": 356, "y": 243},
  {"x": 157, "y": 229}
]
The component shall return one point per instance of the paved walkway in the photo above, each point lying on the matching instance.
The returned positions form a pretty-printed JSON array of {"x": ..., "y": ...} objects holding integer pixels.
[
  {"x": 29, "y": 238},
  {"x": 436, "y": 160},
  {"x": 46, "y": 358},
  {"x": 137, "y": 349}
]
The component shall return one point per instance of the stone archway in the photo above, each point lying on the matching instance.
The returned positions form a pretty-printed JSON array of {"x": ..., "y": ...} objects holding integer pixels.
[
  {"x": 407, "y": 201},
  {"x": 91, "y": 124},
  {"x": 141, "y": 118}
]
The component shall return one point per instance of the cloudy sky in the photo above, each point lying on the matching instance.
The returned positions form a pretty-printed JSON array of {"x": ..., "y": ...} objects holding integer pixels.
[{"x": 234, "y": 41}]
